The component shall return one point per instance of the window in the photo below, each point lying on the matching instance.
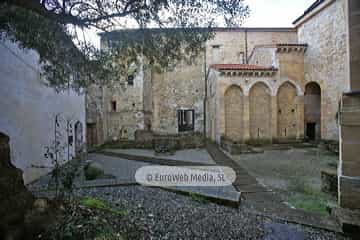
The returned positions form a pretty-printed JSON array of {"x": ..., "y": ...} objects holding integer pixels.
[
  {"x": 186, "y": 120},
  {"x": 216, "y": 54},
  {"x": 113, "y": 106},
  {"x": 241, "y": 58},
  {"x": 130, "y": 80}
]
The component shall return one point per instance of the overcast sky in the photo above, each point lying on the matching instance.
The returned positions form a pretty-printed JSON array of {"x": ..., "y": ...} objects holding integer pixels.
[{"x": 275, "y": 13}]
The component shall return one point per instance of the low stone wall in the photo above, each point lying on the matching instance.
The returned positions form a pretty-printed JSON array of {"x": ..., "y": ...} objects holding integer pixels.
[
  {"x": 329, "y": 181},
  {"x": 147, "y": 140}
]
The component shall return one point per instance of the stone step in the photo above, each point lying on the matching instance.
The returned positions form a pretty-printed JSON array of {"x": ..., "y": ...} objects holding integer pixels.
[{"x": 223, "y": 195}]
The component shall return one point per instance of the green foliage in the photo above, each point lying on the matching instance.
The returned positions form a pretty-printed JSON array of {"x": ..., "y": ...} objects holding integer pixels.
[
  {"x": 92, "y": 172},
  {"x": 307, "y": 198},
  {"x": 100, "y": 204},
  {"x": 315, "y": 202},
  {"x": 198, "y": 198},
  {"x": 55, "y": 29}
]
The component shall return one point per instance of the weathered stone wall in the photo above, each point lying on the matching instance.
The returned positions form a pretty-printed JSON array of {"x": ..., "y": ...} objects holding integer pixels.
[
  {"x": 270, "y": 36},
  {"x": 263, "y": 96},
  {"x": 260, "y": 111},
  {"x": 325, "y": 61},
  {"x": 152, "y": 103},
  {"x": 234, "y": 105},
  {"x": 264, "y": 56},
  {"x": 94, "y": 115},
  {"x": 349, "y": 164},
  {"x": 128, "y": 116},
  {"x": 287, "y": 111},
  {"x": 28, "y": 109},
  {"x": 235, "y": 45},
  {"x": 180, "y": 88}
]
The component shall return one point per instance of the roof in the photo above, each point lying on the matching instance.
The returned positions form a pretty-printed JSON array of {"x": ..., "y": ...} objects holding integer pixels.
[
  {"x": 308, "y": 10},
  {"x": 217, "y": 29},
  {"x": 248, "y": 67}
]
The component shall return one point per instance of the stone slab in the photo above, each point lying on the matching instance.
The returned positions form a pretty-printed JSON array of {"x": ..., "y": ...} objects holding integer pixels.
[
  {"x": 189, "y": 155},
  {"x": 277, "y": 231},
  {"x": 348, "y": 219},
  {"x": 225, "y": 195},
  {"x": 349, "y": 192},
  {"x": 124, "y": 171}
]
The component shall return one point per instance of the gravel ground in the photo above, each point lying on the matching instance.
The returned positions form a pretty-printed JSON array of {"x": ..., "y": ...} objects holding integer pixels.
[{"x": 158, "y": 214}]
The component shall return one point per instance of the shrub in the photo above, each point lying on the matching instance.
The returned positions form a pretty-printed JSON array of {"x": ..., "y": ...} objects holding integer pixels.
[{"x": 92, "y": 172}]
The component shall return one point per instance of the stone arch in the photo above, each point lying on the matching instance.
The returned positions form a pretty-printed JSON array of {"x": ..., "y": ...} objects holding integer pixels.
[
  {"x": 287, "y": 111},
  {"x": 265, "y": 83},
  {"x": 78, "y": 137},
  {"x": 234, "y": 106},
  {"x": 312, "y": 111},
  {"x": 260, "y": 111},
  {"x": 299, "y": 90}
]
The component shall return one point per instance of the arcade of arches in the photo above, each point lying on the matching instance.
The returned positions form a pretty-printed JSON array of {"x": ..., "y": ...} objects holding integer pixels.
[{"x": 261, "y": 115}]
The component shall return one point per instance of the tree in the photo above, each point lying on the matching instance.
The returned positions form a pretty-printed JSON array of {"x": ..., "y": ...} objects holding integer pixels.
[{"x": 56, "y": 30}]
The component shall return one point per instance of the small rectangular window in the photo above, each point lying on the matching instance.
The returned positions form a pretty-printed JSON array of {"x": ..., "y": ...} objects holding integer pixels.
[
  {"x": 186, "y": 120},
  {"x": 130, "y": 80},
  {"x": 113, "y": 106}
]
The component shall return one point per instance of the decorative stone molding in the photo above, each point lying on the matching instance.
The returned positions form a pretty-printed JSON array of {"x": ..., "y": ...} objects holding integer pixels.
[
  {"x": 249, "y": 73},
  {"x": 287, "y": 48}
]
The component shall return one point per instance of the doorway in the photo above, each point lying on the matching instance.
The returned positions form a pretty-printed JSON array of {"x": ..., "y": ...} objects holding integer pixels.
[{"x": 311, "y": 131}]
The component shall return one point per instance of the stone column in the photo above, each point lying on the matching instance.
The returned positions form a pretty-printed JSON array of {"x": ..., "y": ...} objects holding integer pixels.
[
  {"x": 274, "y": 112},
  {"x": 220, "y": 115},
  {"x": 354, "y": 43},
  {"x": 349, "y": 165},
  {"x": 300, "y": 123},
  {"x": 246, "y": 117}
]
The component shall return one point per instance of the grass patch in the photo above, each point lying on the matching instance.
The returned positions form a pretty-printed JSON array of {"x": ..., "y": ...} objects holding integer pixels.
[
  {"x": 312, "y": 203},
  {"x": 198, "y": 198},
  {"x": 100, "y": 204}
]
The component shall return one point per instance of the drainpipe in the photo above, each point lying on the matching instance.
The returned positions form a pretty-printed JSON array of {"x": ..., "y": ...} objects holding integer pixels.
[
  {"x": 246, "y": 46},
  {"x": 205, "y": 99}
]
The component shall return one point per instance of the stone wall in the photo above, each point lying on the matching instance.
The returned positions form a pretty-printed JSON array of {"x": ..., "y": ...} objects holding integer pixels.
[
  {"x": 28, "y": 110},
  {"x": 272, "y": 101},
  {"x": 325, "y": 61},
  {"x": 236, "y": 45},
  {"x": 287, "y": 111},
  {"x": 182, "y": 87},
  {"x": 260, "y": 111},
  {"x": 234, "y": 108}
]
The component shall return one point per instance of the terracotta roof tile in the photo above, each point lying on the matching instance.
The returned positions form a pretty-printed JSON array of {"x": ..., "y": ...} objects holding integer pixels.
[{"x": 241, "y": 67}]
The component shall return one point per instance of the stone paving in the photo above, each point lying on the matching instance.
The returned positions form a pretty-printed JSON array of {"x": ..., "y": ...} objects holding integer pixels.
[
  {"x": 124, "y": 172},
  {"x": 190, "y": 155}
]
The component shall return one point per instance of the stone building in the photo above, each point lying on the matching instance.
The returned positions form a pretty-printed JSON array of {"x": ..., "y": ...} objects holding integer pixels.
[
  {"x": 250, "y": 84},
  {"x": 32, "y": 112}
]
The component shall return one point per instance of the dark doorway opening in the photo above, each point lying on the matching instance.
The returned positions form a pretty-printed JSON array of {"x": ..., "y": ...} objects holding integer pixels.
[
  {"x": 311, "y": 131},
  {"x": 91, "y": 134}
]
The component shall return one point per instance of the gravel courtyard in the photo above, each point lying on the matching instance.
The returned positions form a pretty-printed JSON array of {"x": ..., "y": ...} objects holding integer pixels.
[
  {"x": 158, "y": 214},
  {"x": 154, "y": 213}
]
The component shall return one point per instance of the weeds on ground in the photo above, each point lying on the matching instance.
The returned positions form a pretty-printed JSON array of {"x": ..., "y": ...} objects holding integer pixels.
[
  {"x": 80, "y": 222},
  {"x": 198, "y": 198},
  {"x": 100, "y": 204},
  {"x": 303, "y": 196}
]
